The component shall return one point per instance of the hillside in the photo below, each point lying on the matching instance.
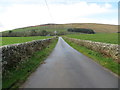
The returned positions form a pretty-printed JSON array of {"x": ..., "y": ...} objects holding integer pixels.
[
  {"x": 62, "y": 28},
  {"x": 96, "y": 27}
]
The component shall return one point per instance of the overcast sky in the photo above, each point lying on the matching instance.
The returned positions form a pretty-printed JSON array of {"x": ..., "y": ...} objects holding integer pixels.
[{"x": 22, "y": 13}]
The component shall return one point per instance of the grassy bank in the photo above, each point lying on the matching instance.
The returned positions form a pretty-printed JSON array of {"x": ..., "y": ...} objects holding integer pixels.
[
  {"x": 99, "y": 58},
  {"x": 14, "y": 40},
  {"x": 101, "y": 37},
  {"x": 17, "y": 76}
]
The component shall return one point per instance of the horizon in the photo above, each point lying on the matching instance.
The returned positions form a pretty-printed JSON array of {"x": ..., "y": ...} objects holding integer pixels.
[
  {"x": 34, "y": 12},
  {"x": 56, "y": 24}
]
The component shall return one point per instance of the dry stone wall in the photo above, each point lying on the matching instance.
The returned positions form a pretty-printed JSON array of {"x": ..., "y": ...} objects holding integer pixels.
[
  {"x": 14, "y": 54},
  {"x": 110, "y": 50}
]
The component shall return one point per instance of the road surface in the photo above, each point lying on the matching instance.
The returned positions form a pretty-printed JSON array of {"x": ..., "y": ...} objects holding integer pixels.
[{"x": 68, "y": 68}]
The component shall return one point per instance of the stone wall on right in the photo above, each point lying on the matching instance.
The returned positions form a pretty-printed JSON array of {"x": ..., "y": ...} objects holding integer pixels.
[{"x": 110, "y": 50}]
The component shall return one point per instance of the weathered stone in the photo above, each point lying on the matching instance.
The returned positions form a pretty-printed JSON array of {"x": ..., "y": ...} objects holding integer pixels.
[
  {"x": 14, "y": 54},
  {"x": 110, "y": 50}
]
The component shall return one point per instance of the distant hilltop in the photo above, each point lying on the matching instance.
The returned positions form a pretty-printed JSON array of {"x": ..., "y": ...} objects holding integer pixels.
[
  {"x": 45, "y": 24},
  {"x": 109, "y": 28},
  {"x": 61, "y": 29}
]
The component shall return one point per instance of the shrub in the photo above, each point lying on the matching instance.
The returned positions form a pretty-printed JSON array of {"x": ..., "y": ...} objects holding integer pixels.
[{"x": 81, "y": 30}]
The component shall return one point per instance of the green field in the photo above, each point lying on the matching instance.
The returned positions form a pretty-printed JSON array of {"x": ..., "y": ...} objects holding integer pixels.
[
  {"x": 101, "y": 37},
  {"x": 14, "y": 40},
  {"x": 106, "y": 62}
]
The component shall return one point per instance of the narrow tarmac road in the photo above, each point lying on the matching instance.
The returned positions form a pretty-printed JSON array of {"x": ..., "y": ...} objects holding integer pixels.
[{"x": 67, "y": 68}]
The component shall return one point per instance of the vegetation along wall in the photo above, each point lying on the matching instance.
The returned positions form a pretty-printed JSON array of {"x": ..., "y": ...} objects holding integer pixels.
[
  {"x": 14, "y": 54},
  {"x": 110, "y": 50}
]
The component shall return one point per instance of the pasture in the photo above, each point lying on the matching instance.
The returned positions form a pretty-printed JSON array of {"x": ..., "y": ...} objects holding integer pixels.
[
  {"x": 100, "y": 37},
  {"x": 14, "y": 40}
]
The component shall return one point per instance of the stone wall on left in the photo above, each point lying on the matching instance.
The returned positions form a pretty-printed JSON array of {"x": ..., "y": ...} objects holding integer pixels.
[{"x": 14, "y": 54}]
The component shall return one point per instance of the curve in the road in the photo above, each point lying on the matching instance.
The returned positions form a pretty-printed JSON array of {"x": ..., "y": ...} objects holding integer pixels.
[{"x": 68, "y": 68}]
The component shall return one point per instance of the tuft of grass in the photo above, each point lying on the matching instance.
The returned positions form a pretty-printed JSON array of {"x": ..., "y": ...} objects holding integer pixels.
[
  {"x": 17, "y": 76},
  {"x": 14, "y": 40},
  {"x": 99, "y": 37},
  {"x": 106, "y": 62}
]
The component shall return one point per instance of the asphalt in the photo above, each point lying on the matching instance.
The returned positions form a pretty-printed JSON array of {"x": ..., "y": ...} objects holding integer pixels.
[{"x": 68, "y": 68}]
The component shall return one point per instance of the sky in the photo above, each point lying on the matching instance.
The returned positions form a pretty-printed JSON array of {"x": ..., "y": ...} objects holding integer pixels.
[{"x": 23, "y": 13}]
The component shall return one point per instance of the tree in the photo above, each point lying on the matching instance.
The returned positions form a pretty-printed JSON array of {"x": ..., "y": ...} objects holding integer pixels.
[
  {"x": 33, "y": 32},
  {"x": 44, "y": 32},
  {"x": 81, "y": 30},
  {"x": 10, "y": 32}
]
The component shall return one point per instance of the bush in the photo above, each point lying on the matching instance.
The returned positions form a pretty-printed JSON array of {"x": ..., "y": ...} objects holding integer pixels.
[{"x": 81, "y": 30}]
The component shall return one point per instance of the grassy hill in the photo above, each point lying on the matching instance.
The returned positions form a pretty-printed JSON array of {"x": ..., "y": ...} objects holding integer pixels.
[
  {"x": 107, "y": 28},
  {"x": 62, "y": 28}
]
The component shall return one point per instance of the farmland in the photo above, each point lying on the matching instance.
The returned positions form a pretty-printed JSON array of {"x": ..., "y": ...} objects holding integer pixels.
[
  {"x": 103, "y": 33},
  {"x": 14, "y": 40},
  {"x": 61, "y": 29},
  {"x": 102, "y": 37},
  {"x": 99, "y": 37}
]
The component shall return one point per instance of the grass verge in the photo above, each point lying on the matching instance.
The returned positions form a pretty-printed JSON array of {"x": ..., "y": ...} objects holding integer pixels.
[
  {"x": 106, "y": 62},
  {"x": 17, "y": 76}
]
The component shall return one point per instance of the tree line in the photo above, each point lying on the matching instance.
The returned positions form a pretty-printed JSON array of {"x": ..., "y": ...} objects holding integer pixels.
[
  {"x": 32, "y": 32},
  {"x": 81, "y": 30}
]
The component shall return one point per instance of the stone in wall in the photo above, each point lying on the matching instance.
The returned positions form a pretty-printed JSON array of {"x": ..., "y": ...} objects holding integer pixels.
[
  {"x": 110, "y": 50},
  {"x": 14, "y": 54}
]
